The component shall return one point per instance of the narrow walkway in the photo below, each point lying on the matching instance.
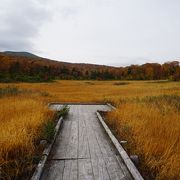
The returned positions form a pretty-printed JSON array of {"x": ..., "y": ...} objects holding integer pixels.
[{"x": 83, "y": 150}]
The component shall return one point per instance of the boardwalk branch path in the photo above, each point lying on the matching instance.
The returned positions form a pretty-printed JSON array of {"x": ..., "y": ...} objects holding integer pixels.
[{"x": 83, "y": 150}]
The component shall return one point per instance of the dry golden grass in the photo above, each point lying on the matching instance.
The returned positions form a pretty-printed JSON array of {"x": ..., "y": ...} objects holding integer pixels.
[
  {"x": 90, "y": 91},
  {"x": 153, "y": 132},
  {"x": 151, "y": 126},
  {"x": 21, "y": 121}
]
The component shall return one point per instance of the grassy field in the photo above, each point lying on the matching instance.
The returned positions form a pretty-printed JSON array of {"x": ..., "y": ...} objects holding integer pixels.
[{"x": 147, "y": 116}]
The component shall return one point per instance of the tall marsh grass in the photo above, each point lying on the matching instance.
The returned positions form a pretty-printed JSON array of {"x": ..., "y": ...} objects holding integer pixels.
[
  {"x": 147, "y": 116},
  {"x": 152, "y": 127},
  {"x": 21, "y": 120}
]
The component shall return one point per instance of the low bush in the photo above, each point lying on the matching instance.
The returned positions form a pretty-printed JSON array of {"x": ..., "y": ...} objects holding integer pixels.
[{"x": 62, "y": 112}]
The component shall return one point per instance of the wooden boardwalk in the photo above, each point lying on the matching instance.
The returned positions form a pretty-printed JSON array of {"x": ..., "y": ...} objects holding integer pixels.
[{"x": 83, "y": 150}]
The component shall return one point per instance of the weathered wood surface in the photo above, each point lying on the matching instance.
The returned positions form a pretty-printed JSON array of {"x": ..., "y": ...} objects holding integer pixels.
[{"x": 83, "y": 150}]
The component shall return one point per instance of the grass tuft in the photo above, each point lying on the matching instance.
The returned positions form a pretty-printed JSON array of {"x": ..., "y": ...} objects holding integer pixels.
[
  {"x": 121, "y": 83},
  {"x": 9, "y": 91},
  {"x": 62, "y": 112},
  {"x": 48, "y": 130}
]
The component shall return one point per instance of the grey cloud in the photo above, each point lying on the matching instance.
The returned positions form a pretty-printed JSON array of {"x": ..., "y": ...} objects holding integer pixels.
[
  {"x": 16, "y": 45},
  {"x": 94, "y": 31},
  {"x": 20, "y": 23},
  {"x": 68, "y": 12}
]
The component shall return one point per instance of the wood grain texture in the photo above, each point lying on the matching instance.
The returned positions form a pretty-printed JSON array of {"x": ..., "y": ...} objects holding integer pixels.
[
  {"x": 131, "y": 167},
  {"x": 83, "y": 150}
]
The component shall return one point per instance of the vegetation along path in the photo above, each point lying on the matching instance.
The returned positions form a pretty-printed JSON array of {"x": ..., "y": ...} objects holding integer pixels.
[{"x": 83, "y": 150}]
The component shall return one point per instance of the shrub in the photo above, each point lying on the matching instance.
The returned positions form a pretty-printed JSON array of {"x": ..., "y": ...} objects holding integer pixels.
[{"x": 62, "y": 112}]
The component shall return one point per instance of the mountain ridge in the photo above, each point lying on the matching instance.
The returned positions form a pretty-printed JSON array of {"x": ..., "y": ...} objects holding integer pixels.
[
  {"x": 27, "y": 67},
  {"x": 20, "y": 53},
  {"x": 31, "y": 55}
]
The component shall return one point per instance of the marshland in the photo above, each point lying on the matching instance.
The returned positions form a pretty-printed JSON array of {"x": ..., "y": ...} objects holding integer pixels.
[{"x": 147, "y": 116}]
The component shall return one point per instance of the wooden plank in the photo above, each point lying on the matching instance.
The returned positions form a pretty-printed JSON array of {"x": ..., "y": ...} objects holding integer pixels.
[
  {"x": 99, "y": 168},
  {"x": 66, "y": 145},
  {"x": 61, "y": 143},
  {"x": 85, "y": 170},
  {"x": 94, "y": 148},
  {"x": 131, "y": 167},
  {"x": 83, "y": 150},
  {"x": 72, "y": 146},
  {"x": 83, "y": 147},
  {"x": 111, "y": 106},
  {"x": 107, "y": 148},
  {"x": 70, "y": 170},
  {"x": 53, "y": 170},
  {"x": 114, "y": 170},
  {"x": 123, "y": 167},
  {"x": 108, "y": 152},
  {"x": 97, "y": 161}
]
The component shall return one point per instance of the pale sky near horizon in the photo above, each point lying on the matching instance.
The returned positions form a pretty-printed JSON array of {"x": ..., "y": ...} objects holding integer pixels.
[{"x": 112, "y": 32}]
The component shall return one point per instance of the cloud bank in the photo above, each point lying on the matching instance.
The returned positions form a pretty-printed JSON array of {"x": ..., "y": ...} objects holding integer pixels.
[
  {"x": 109, "y": 32},
  {"x": 20, "y": 22}
]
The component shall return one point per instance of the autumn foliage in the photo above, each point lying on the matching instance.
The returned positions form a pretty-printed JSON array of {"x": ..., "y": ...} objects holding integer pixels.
[{"x": 15, "y": 68}]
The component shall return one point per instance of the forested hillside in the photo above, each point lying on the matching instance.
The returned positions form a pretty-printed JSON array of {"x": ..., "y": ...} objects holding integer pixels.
[{"x": 17, "y": 68}]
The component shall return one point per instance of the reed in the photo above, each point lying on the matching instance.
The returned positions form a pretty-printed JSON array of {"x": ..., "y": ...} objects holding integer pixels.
[
  {"x": 152, "y": 129},
  {"x": 147, "y": 116},
  {"x": 21, "y": 121}
]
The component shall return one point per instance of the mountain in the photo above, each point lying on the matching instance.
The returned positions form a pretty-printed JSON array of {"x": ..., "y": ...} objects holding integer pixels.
[
  {"x": 24, "y": 54},
  {"x": 27, "y": 67}
]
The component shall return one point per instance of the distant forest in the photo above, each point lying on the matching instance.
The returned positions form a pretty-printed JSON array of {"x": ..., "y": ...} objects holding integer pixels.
[{"x": 16, "y": 68}]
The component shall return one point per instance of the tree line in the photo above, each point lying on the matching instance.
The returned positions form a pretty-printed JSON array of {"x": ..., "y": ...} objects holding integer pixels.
[{"x": 27, "y": 69}]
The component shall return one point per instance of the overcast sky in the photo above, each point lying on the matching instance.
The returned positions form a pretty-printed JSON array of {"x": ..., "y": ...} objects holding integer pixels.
[{"x": 112, "y": 32}]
